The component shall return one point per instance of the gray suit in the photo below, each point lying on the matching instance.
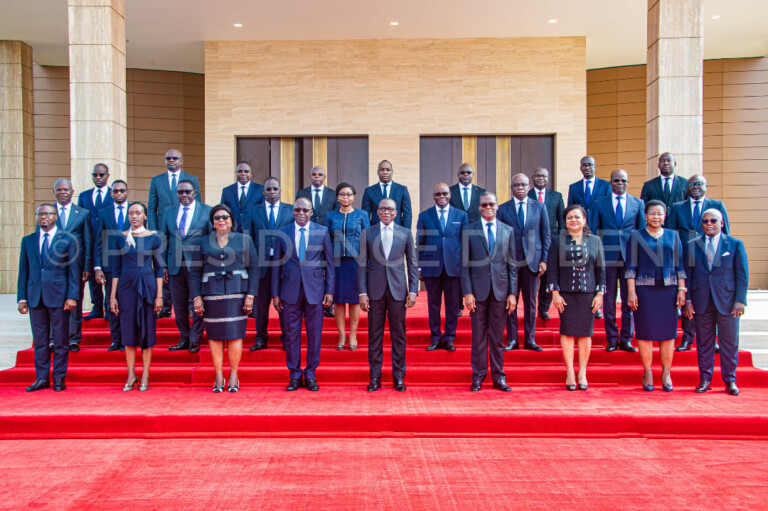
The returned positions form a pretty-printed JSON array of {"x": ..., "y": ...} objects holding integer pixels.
[{"x": 387, "y": 282}]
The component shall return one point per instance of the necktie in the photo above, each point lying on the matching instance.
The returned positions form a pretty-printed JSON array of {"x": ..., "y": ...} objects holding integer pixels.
[
  {"x": 710, "y": 252},
  {"x": 44, "y": 250},
  {"x": 588, "y": 192},
  {"x": 520, "y": 214},
  {"x": 667, "y": 190},
  {"x": 98, "y": 199},
  {"x": 302, "y": 244},
  {"x": 183, "y": 223},
  {"x": 316, "y": 200},
  {"x": 173, "y": 187},
  {"x": 697, "y": 217},
  {"x": 386, "y": 241},
  {"x": 619, "y": 211},
  {"x": 386, "y": 195},
  {"x": 541, "y": 196},
  {"x": 272, "y": 217},
  {"x": 491, "y": 237},
  {"x": 63, "y": 218},
  {"x": 442, "y": 220},
  {"x": 465, "y": 199},
  {"x": 120, "y": 218},
  {"x": 242, "y": 197}
]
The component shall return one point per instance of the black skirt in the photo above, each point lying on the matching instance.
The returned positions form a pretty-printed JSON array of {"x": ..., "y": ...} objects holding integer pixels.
[
  {"x": 577, "y": 319},
  {"x": 224, "y": 318}
]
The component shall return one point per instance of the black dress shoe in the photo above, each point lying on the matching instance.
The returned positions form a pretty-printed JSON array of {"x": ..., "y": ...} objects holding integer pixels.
[
  {"x": 533, "y": 346},
  {"x": 194, "y": 347},
  {"x": 610, "y": 347},
  {"x": 627, "y": 346},
  {"x": 461, "y": 309},
  {"x": 599, "y": 314},
  {"x": 399, "y": 385},
  {"x": 374, "y": 385},
  {"x": 258, "y": 345},
  {"x": 703, "y": 386},
  {"x": 449, "y": 346},
  {"x": 544, "y": 315},
  {"x": 59, "y": 385},
  {"x": 38, "y": 385},
  {"x": 476, "y": 386},
  {"x": 114, "y": 346},
  {"x": 293, "y": 385},
  {"x": 50, "y": 347},
  {"x": 329, "y": 313},
  {"x": 435, "y": 345},
  {"x": 512, "y": 345},
  {"x": 74, "y": 347},
  {"x": 181, "y": 346},
  {"x": 684, "y": 346},
  {"x": 122, "y": 348},
  {"x": 731, "y": 389},
  {"x": 502, "y": 385},
  {"x": 717, "y": 348},
  {"x": 94, "y": 315},
  {"x": 165, "y": 313},
  {"x": 311, "y": 384}
]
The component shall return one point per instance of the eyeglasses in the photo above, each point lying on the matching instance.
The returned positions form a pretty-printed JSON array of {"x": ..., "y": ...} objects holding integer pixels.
[
  {"x": 302, "y": 210},
  {"x": 45, "y": 213},
  {"x": 655, "y": 213},
  {"x": 619, "y": 180},
  {"x": 487, "y": 204},
  {"x": 168, "y": 158},
  {"x": 466, "y": 172},
  {"x": 216, "y": 218},
  {"x": 99, "y": 174},
  {"x": 441, "y": 194},
  {"x": 713, "y": 221},
  {"x": 346, "y": 195},
  {"x": 185, "y": 192},
  {"x": 271, "y": 189},
  {"x": 387, "y": 210},
  {"x": 696, "y": 183}
]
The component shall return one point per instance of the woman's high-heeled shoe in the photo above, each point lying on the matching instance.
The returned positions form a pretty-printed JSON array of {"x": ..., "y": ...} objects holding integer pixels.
[
  {"x": 583, "y": 386},
  {"x": 144, "y": 387},
  {"x": 664, "y": 386},
  {"x": 129, "y": 387},
  {"x": 340, "y": 345},
  {"x": 234, "y": 388},
  {"x": 352, "y": 347},
  {"x": 570, "y": 386}
]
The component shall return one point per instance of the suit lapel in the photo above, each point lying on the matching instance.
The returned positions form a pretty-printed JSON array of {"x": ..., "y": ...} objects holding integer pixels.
[
  {"x": 34, "y": 248},
  {"x": 195, "y": 216},
  {"x": 722, "y": 248}
]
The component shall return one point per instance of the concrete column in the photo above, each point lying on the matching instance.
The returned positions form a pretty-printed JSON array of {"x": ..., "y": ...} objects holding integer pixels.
[
  {"x": 97, "y": 100},
  {"x": 17, "y": 157},
  {"x": 674, "y": 104}
]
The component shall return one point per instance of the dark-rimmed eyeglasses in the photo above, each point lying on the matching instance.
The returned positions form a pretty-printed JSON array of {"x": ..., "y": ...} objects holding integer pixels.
[
  {"x": 302, "y": 210},
  {"x": 441, "y": 194},
  {"x": 618, "y": 180},
  {"x": 705, "y": 221},
  {"x": 45, "y": 213},
  {"x": 169, "y": 158},
  {"x": 696, "y": 183},
  {"x": 487, "y": 204},
  {"x": 99, "y": 174},
  {"x": 216, "y": 218},
  {"x": 387, "y": 210},
  {"x": 185, "y": 192},
  {"x": 466, "y": 172},
  {"x": 346, "y": 194}
]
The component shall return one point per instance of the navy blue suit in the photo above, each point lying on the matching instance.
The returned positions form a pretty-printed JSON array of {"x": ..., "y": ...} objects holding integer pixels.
[
  {"x": 532, "y": 243},
  {"x": 713, "y": 293},
  {"x": 180, "y": 253},
  {"x": 256, "y": 223},
  {"x": 653, "y": 189},
  {"x": 601, "y": 188},
  {"x": 615, "y": 238},
  {"x": 397, "y": 193},
  {"x": 680, "y": 219},
  {"x": 85, "y": 200},
  {"x": 45, "y": 286},
  {"x": 328, "y": 203},
  {"x": 553, "y": 201},
  {"x": 302, "y": 286},
  {"x": 161, "y": 197},
  {"x": 106, "y": 228},
  {"x": 230, "y": 196},
  {"x": 440, "y": 264},
  {"x": 80, "y": 226},
  {"x": 457, "y": 201}
]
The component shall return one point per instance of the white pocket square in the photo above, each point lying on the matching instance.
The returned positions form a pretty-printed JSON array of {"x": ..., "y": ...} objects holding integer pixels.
[{"x": 726, "y": 254}]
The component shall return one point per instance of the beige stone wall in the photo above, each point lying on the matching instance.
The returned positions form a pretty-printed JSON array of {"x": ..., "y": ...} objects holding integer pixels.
[
  {"x": 393, "y": 91},
  {"x": 735, "y": 96}
]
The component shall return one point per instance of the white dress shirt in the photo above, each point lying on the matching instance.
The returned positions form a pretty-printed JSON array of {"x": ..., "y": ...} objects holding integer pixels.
[
  {"x": 524, "y": 202},
  {"x": 447, "y": 212},
  {"x": 389, "y": 189},
  {"x": 50, "y": 233},
  {"x": 124, "y": 205},
  {"x": 468, "y": 188},
  {"x": 67, "y": 210},
  {"x": 312, "y": 194},
  {"x": 188, "y": 220},
  {"x": 623, "y": 202},
  {"x": 494, "y": 227},
  {"x": 387, "y": 236},
  {"x": 715, "y": 241},
  {"x": 543, "y": 193},
  {"x": 297, "y": 237},
  {"x": 701, "y": 206},
  {"x": 591, "y": 185},
  {"x": 104, "y": 193},
  {"x": 170, "y": 179},
  {"x": 240, "y": 189}
]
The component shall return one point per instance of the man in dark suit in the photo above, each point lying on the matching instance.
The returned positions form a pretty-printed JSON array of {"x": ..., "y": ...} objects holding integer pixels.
[
  {"x": 388, "y": 281},
  {"x": 242, "y": 195},
  {"x": 685, "y": 218},
  {"x": 262, "y": 222},
  {"x": 586, "y": 190},
  {"x": 386, "y": 188},
  {"x": 76, "y": 221},
  {"x": 438, "y": 238},
  {"x": 489, "y": 284},
  {"x": 183, "y": 227},
  {"x": 112, "y": 221},
  {"x": 93, "y": 200},
  {"x": 530, "y": 222},
  {"x": 162, "y": 195},
  {"x": 667, "y": 187},
  {"x": 49, "y": 286},
  {"x": 323, "y": 199},
  {"x": 718, "y": 276},
  {"x": 302, "y": 286},
  {"x": 553, "y": 201},
  {"x": 614, "y": 218},
  {"x": 465, "y": 196}
]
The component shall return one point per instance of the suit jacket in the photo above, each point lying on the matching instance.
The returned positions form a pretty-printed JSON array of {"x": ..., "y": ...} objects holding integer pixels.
[
  {"x": 399, "y": 271},
  {"x": 80, "y": 226},
  {"x": 161, "y": 197},
  {"x": 224, "y": 270},
  {"x": 653, "y": 190},
  {"x": 532, "y": 240},
  {"x": 106, "y": 227},
  {"x": 457, "y": 201},
  {"x": 52, "y": 283},
  {"x": 681, "y": 219},
  {"x": 440, "y": 249},
  {"x": 398, "y": 193},
  {"x": 726, "y": 282},
  {"x": 85, "y": 200},
  {"x": 257, "y": 225},
  {"x": 180, "y": 251},
  {"x": 568, "y": 273},
  {"x": 553, "y": 201},
  {"x": 230, "y": 196},
  {"x": 328, "y": 203},
  {"x": 615, "y": 237},
  {"x": 315, "y": 273},
  {"x": 602, "y": 188},
  {"x": 483, "y": 273}
]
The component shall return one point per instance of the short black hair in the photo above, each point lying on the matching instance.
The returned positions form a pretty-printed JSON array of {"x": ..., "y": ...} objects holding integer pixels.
[
  {"x": 186, "y": 181},
  {"x": 223, "y": 207},
  {"x": 119, "y": 181},
  {"x": 654, "y": 202},
  {"x": 345, "y": 185}
]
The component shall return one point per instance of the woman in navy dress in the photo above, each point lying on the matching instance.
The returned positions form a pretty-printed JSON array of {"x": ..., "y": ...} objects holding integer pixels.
[
  {"x": 656, "y": 288},
  {"x": 137, "y": 282},
  {"x": 345, "y": 226},
  {"x": 224, "y": 281}
]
